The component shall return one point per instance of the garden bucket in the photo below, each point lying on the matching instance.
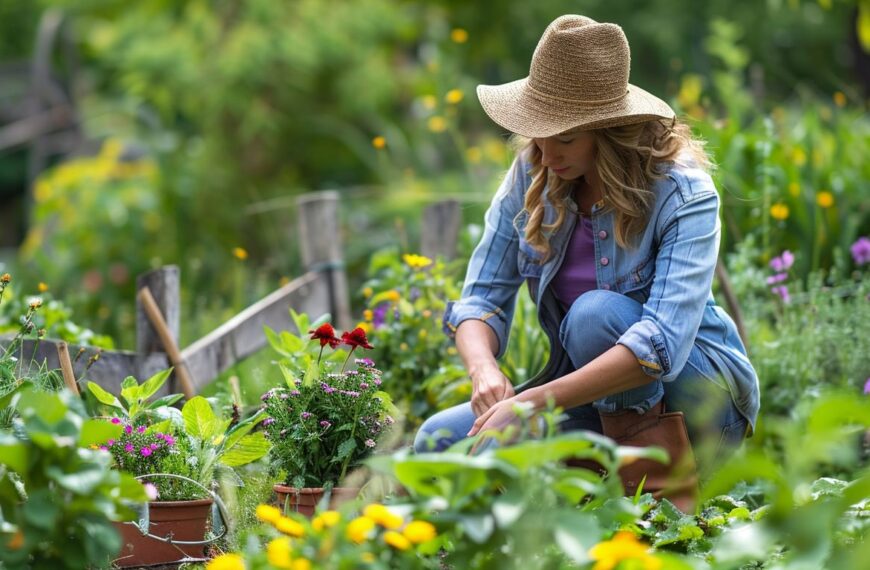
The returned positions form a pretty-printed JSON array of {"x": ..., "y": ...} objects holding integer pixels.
[{"x": 305, "y": 500}]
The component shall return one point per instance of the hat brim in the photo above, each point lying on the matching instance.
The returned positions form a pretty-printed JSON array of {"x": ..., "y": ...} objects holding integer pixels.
[{"x": 527, "y": 113}]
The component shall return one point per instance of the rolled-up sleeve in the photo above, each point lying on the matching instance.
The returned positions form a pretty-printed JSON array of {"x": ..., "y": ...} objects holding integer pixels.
[
  {"x": 685, "y": 263},
  {"x": 492, "y": 279}
]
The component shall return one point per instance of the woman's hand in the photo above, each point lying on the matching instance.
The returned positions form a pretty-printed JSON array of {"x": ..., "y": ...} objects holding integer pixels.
[
  {"x": 489, "y": 387},
  {"x": 497, "y": 417}
]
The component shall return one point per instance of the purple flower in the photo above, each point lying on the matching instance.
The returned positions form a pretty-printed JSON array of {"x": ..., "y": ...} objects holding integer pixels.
[
  {"x": 363, "y": 385},
  {"x": 145, "y": 451},
  {"x": 778, "y": 278},
  {"x": 306, "y": 415},
  {"x": 782, "y": 291},
  {"x": 268, "y": 422},
  {"x": 295, "y": 392},
  {"x": 169, "y": 440},
  {"x": 350, "y": 393},
  {"x": 379, "y": 313},
  {"x": 104, "y": 448},
  {"x": 325, "y": 423},
  {"x": 266, "y": 396},
  {"x": 327, "y": 388},
  {"x": 141, "y": 429},
  {"x": 128, "y": 429},
  {"x": 154, "y": 447},
  {"x": 389, "y": 420},
  {"x": 129, "y": 448},
  {"x": 116, "y": 421},
  {"x": 867, "y": 386},
  {"x": 413, "y": 295},
  {"x": 284, "y": 395},
  {"x": 368, "y": 362},
  {"x": 370, "y": 443},
  {"x": 783, "y": 262},
  {"x": 377, "y": 381},
  {"x": 110, "y": 443},
  {"x": 861, "y": 251}
]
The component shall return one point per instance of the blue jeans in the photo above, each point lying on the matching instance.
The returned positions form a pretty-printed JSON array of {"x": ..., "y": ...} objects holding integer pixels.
[{"x": 593, "y": 324}]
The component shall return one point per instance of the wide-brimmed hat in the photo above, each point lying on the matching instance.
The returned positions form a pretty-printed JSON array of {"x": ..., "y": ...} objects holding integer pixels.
[{"x": 578, "y": 80}]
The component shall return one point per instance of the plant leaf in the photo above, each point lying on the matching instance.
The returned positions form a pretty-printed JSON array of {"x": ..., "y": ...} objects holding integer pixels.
[{"x": 199, "y": 419}]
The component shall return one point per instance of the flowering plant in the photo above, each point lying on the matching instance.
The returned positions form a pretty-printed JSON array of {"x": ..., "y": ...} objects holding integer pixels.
[{"x": 323, "y": 423}]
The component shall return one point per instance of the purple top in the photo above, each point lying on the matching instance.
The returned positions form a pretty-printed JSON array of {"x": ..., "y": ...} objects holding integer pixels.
[{"x": 577, "y": 273}]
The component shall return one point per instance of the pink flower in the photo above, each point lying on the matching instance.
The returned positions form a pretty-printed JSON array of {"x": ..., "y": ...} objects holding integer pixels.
[
  {"x": 128, "y": 429},
  {"x": 145, "y": 451},
  {"x": 129, "y": 448},
  {"x": 867, "y": 386},
  {"x": 370, "y": 443},
  {"x": 111, "y": 442},
  {"x": 861, "y": 251},
  {"x": 782, "y": 291},
  {"x": 116, "y": 421},
  {"x": 141, "y": 429},
  {"x": 783, "y": 262},
  {"x": 151, "y": 491},
  {"x": 779, "y": 277}
]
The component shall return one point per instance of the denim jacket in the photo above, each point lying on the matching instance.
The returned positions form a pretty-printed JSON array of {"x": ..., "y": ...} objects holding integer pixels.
[{"x": 670, "y": 271}]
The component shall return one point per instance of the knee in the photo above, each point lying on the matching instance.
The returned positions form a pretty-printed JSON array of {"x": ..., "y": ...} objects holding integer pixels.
[
  {"x": 434, "y": 435},
  {"x": 595, "y": 322}
]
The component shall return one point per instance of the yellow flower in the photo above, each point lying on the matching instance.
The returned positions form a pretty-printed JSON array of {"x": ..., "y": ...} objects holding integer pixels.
[
  {"x": 278, "y": 552},
  {"x": 35, "y": 303},
  {"x": 429, "y": 102},
  {"x": 840, "y": 99},
  {"x": 415, "y": 261},
  {"x": 367, "y": 327},
  {"x": 419, "y": 531},
  {"x": 779, "y": 211},
  {"x": 301, "y": 564},
  {"x": 368, "y": 315},
  {"x": 426, "y": 313},
  {"x": 367, "y": 557},
  {"x": 367, "y": 292},
  {"x": 289, "y": 526},
  {"x": 396, "y": 540},
  {"x": 379, "y": 142},
  {"x": 327, "y": 519},
  {"x": 226, "y": 562},
  {"x": 691, "y": 88},
  {"x": 473, "y": 154},
  {"x": 359, "y": 529},
  {"x": 459, "y": 36},
  {"x": 393, "y": 295},
  {"x": 403, "y": 346},
  {"x": 42, "y": 287},
  {"x": 825, "y": 199},
  {"x": 437, "y": 124},
  {"x": 423, "y": 333},
  {"x": 383, "y": 516},
  {"x": 453, "y": 96},
  {"x": 268, "y": 513},
  {"x": 794, "y": 189},
  {"x": 5, "y": 278},
  {"x": 623, "y": 546},
  {"x": 240, "y": 253},
  {"x": 799, "y": 156}
]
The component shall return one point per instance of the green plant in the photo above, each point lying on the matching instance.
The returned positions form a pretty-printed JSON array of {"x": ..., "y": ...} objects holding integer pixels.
[
  {"x": 58, "y": 498},
  {"x": 323, "y": 423}
]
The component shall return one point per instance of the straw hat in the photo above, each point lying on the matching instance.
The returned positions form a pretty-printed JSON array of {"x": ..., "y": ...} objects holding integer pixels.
[{"x": 578, "y": 80}]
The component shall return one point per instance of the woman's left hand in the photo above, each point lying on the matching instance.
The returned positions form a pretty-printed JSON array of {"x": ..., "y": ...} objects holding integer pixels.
[{"x": 497, "y": 417}]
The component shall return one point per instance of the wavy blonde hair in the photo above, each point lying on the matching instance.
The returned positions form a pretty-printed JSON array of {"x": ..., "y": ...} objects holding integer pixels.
[{"x": 628, "y": 160}]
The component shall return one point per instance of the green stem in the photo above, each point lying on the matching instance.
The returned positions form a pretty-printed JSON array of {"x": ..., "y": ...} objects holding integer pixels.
[{"x": 346, "y": 463}]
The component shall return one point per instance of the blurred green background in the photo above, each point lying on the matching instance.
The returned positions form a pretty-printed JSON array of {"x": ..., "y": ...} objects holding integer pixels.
[{"x": 203, "y": 120}]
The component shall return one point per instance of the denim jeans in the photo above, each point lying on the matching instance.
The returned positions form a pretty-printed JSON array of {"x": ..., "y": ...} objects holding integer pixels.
[{"x": 593, "y": 324}]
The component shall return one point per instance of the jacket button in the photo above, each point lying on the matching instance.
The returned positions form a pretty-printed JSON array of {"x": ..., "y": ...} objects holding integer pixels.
[
  {"x": 606, "y": 286},
  {"x": 602, "y": 234},
  {"x": 604, "y": 261}
]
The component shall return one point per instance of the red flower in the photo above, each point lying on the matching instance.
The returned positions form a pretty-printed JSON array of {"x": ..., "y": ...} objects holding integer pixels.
[
  {"x": 355, "y": 338},
  {"x": 326, "y": 335}
]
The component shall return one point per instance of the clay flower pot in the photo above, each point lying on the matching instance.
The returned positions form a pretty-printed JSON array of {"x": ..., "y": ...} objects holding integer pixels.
[
  {"x": 304, "y": 501},
  {"x": 182, "y": 520}
]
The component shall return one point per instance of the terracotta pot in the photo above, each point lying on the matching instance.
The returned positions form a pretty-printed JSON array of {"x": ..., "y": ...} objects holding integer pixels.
[
  {"x": 304, "y": 500},
  {"x": 182, "y": 520}
]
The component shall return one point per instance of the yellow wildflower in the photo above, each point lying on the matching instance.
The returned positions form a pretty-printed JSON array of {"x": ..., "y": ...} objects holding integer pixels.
[
  {"x": 367, "y": 557},
  {"x": 383, "y": 516},
  {"x": 268, "y": 513},
  {"x": 473, "y": 154},
  {"x": 419, "y": 531},
  {"x": 623, "y": 546},
  {"x": 289, "y": 526},
  {"x": 840, "y": 99},
  {"x": 5, "y": 278},
  {"x": 794, "y": 189},
  {"x": 278, "y": 552},
  {"x": 393, "y": 295},
  {"x": 42, "y": 287},
  {"x": 459, "y": 35},
  {"x": 779, "y": 211},
  {"x": 379, "y": 142},
  {"x": 226, "y": 562},
  {"x": 426, "y": 313},
  {"x": 396, "y": 540},
  {"x": 454, "y": 96},
  {"x": 799, "y": 156},
  {"x": 301, "y": 564},
  {"x": 327, "y": 519},
  {"x": 359, "y": 529},
  {"x": 437, "y": 124},
  {"x": 367, "y": 292},
  {"x": 240, "y": 253},
  {"x": 423, "y": 333},
  {"x": 416, "y": 261},
  {"x": 35, "y": 303},
  {"x": 825, "y": 199},
  {"x": 367, "y": 327},
  {"x": 429, "y": 102},
  {"x": 368, "y": 315}
]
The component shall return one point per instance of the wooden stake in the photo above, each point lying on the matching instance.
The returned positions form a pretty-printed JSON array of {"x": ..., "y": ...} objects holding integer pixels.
[
  {"x": 66, "y": 368},
  {"x": 159, "y": 324}
]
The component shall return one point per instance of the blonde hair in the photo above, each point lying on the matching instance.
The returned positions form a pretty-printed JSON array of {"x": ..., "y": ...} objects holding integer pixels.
[{"x": 628, "y": 160}]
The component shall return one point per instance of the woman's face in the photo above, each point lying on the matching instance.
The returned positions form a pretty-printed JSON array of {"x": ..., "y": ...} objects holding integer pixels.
[{"x": 569, "y": 156}]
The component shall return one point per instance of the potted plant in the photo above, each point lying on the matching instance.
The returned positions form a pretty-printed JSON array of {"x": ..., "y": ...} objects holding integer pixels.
[
  {"x": 327, "y": 418},
  {"x": 178, "y": 455}
]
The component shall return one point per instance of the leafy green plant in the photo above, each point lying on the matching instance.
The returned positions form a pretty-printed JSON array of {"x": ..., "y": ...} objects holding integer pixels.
[{"x": 58, "y": 498}]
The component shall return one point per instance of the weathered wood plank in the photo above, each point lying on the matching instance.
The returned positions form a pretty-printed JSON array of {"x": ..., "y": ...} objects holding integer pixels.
[
  {"x": 440, "y": 230},
  {"x": 243, "y": 335},
  {"x": 165, "y": 286}
]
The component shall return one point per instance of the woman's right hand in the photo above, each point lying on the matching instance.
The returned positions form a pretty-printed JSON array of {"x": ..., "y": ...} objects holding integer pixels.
[{"x": 489, "y": 387}]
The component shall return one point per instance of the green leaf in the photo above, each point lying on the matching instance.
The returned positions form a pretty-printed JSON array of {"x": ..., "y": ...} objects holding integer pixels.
[
  {"x": 165, "y": 401},
  {"x": 96, "y": 432},
  {"x": 13, "y": 453},
  {"x": 478, "y": 527},
  {"x": 292, "y": 343},
  {"x": 345, "y": 449},
  {"x": 82, "y": 482},
  {"x": 199, "y": 419},
  {"x": 508, "y": 508},
  {"x": 46, "y": 406},
  {"x": 41, "y": 510},
  {"x": 576, "y": 533},
  {"x": 275, "y": 342},
  {"x": 153, "y": 384},
  {"x": 104, "y": 396},
  {"x": 248, "y": 449}
]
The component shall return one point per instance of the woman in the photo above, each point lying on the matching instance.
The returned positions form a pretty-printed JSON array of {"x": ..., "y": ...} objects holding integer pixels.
[{"x": 609, "y": 215}]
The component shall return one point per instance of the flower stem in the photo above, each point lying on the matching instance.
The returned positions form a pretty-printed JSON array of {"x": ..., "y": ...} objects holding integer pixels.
[{"x": 348, "y": 358}]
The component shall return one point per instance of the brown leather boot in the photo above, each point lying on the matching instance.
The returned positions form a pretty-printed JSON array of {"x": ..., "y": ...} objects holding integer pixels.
[{"x": 676, "y": 481}]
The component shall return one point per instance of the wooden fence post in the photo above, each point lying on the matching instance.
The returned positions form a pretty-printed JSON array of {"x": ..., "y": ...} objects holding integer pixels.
[
  {"x": 165, "y": 285},
  {"x": 320, "y": 244},
  {"x": 440, "y": 230}
]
